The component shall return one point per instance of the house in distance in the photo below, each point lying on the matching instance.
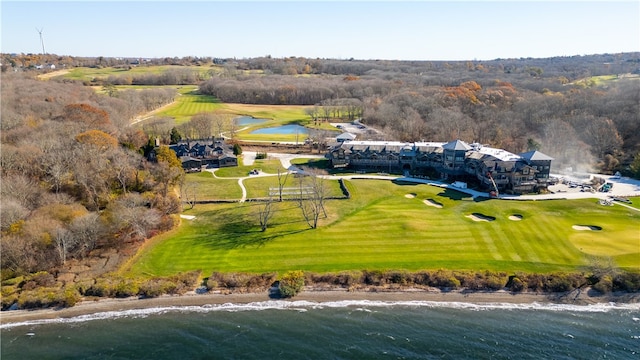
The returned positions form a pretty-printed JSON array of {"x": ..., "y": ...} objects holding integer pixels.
[{"x": 211, "y": 153}]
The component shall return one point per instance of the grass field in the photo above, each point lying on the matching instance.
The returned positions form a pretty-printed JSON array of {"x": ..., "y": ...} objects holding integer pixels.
[
  {"x": 191, "y": 103},
  {"x": 88, "y": 74},
  {"x": 602, "y": 80},
  {"x": 208, "y": 188},
  {"x": 382, "y": 228}
]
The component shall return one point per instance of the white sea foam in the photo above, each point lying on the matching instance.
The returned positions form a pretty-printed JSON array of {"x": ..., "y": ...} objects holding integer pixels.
[{"x": 303, "y": 306}]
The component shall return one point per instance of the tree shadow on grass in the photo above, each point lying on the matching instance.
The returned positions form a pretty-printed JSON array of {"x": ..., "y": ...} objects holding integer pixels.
[
  {"x": 405, "y": 183},
  {"x": 455, "y": 195},
  {"x": 241, "y": 231}
]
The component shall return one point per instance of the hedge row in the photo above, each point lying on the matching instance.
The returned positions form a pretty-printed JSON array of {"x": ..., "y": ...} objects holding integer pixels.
[
  {"x": 442, "y": 279},
  {"x": 114, "y": 286}
]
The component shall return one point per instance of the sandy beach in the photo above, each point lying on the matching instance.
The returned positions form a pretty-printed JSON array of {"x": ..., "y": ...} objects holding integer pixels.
[{"x": 476, "y": 297}]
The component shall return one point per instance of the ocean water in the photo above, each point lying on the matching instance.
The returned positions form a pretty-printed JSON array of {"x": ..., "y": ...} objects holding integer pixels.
[{"x": 335, "y": 330}]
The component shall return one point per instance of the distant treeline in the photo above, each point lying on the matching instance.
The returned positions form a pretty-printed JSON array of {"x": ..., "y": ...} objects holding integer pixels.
[{"x": 582, "y": 125}]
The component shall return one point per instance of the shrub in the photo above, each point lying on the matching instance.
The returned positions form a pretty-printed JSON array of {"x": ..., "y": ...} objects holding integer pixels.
[
  {"x": 373, "y": 277},
  {"x": 243, "y": 281},
  {"x": 422, "y": 278},
  {"x": 211, "y": 283},
  {"x": 126, "y": 288},
  {"x": 562, "y": 282},
  {"x": 494, "y": 281},
  {"x": 516, "y": 284},
  {"x": 156, "y": 287},
  {"x": 604, "y": 285},
  {"x": 445, "y": 279},
  {"x": 348, "y": 278},
  {"x": 48, "y": 297},
  {"x": 291, "y": 283},
  {"x": 40, "y": 279},
  {"x": 627, "y": 281},
  {"x": 237, "y": 150},
  {"x": 399, "y": 277}
]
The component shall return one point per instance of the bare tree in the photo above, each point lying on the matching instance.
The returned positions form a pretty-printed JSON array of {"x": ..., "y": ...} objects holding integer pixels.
[
  {"x": 265, "y": 213},
  {"x": 202, "y": 123},
  {"x": 282, "y": 180},
  {"x": 64, "y": 243},
  {"x": 87, "y": 230},
  {"x": 311, "y": 196},
  {"x": 188, "y": 192}
]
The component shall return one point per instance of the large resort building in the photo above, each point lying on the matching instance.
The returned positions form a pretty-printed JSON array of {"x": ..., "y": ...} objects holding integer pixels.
[{"x": 491, "y": 168}]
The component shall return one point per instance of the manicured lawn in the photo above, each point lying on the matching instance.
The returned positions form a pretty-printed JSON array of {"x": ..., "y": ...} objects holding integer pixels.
[
  {"x": 209, "y": 188},
  {"x": 192, "y": 103},
  {"x": 382, "y": 228},
  {"x": 189, "y": 104},
  {"x": 264, "y": 165},
  {"x": 258, "y": 187}
]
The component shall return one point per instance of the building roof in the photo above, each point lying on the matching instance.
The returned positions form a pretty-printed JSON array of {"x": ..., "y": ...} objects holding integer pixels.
[
  {"x": 345, "y": 136},
  {"x": 456, "y": 145},
  {"x": 535, "y": 155}
]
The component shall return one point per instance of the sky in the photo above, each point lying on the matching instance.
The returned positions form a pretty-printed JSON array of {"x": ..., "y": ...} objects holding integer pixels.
[{"x": 390, "y": 30}]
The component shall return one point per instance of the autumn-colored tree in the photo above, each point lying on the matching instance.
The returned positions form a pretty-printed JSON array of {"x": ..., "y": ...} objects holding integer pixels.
[
  {"x": 86, "y": 114},
  {"x": 168, "y": 170},
  {"x": 97, "y": 138},
  {"x": 166, "y": 155}
]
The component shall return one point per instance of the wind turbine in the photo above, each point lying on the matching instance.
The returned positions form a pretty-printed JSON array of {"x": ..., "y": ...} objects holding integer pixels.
[{"x": 41, "y": 39}]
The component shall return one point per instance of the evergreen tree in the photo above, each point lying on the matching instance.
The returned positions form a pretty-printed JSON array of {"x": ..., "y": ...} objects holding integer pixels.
[{"x": 175, "y": 136}]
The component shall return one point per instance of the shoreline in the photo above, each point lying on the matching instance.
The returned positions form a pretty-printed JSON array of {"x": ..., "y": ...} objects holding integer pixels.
[{"x": 88, "y": 307}]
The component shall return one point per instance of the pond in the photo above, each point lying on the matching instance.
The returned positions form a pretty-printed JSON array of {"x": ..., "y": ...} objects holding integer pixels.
[
  {"x": 285, "y": 129},
  {"x": 248, "y": 120}
]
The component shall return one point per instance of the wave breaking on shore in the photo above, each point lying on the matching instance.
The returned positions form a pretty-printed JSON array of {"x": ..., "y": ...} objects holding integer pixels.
[{"x": 304, "y": 305}]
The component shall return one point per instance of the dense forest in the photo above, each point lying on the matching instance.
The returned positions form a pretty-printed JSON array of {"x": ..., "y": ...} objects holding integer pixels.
[
  {"x": 73, "y": 178},
  {"x": 553, "y": 105},
  {"x": 75, "y": 182}
]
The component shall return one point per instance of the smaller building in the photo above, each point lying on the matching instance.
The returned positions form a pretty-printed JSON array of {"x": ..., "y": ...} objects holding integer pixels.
[
  {"x": 345, "y": 137},
  {"x": 210, "y": 153}
]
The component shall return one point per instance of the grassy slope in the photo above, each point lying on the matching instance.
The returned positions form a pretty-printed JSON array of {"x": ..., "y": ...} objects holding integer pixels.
[{"x": 380, "y": 228}]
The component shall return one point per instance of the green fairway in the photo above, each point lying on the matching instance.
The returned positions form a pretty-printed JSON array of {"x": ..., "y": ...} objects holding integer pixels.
[
  {"x": 191, "y": 103},
  {"x": 390, "y": 226}
]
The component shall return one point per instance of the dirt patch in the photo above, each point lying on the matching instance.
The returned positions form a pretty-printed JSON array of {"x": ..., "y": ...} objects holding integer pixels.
[
  {"x": 480, "y": 217},
  {"x": 410, "y": 196},
  {"x": 48, "y": 76},
  {"x": 515, "y": 217},
  {"x": 433, "y": 203},
  {"x": 586, "y": 227}
]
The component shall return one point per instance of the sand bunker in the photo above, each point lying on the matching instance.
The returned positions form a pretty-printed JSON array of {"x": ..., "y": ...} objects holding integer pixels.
[
  {"x": 586, "y": 227},
  {"x": 188, "y": 217},
  {"x": 515, "y": 217},
  {"x": 410, "y": 196},
  {"x": 433, "y": 203},
  {"x": 480, "y": 217}
]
